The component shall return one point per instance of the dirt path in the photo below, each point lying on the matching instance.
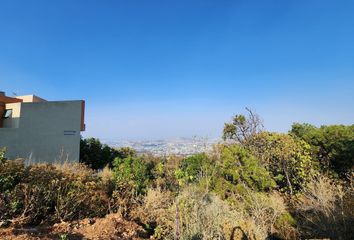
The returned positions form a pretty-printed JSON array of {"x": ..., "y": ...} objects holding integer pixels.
[{"x": 111, "y": 227}]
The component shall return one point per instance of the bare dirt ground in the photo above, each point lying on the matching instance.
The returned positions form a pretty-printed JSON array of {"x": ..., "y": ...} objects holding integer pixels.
[{"x": 111, "y": 227}]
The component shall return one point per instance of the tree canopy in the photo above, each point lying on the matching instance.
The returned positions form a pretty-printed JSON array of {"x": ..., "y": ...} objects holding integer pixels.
[{"x": 333, "y": 145}]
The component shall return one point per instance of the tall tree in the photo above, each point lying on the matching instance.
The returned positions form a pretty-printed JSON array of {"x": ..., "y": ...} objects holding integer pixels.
[{"x": 242, "y": 128}]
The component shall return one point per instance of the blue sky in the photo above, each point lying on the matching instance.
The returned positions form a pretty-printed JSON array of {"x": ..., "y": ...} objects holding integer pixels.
[{"x": 165, "y": 69}]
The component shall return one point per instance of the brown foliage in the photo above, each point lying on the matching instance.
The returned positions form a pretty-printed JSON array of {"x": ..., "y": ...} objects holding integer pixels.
[
  {"x": 52, "y": 193},
  {"x": 326, "y": 210}
]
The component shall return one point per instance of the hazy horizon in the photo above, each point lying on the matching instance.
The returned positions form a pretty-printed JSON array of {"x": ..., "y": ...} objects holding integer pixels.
[{"x": 163, "y": 70}]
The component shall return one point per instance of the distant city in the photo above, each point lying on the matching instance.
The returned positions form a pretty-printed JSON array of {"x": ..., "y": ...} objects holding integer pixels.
[{"x": 180, "y": 146}]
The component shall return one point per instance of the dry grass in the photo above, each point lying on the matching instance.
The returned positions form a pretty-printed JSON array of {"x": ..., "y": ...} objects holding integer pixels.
[
  {"x": 203, "y": 215},
  {"x": 157, "y": 212},
  {"x": 72, "y": 168},
  {"x": 106, "y": 175},
  {"x": 45, "y": 192},
  {"x": 322, "y": 210}
]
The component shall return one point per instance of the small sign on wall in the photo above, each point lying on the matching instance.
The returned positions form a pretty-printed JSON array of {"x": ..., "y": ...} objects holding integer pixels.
[{"x": 69, "y": 132}]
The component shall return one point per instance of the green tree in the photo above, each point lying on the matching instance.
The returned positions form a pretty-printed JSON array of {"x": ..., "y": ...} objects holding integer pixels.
[
  {"x": 97, "y": 155},
  {"x": 192, "y": 168},
  {"x": 332, "y": 145},
  {"x": 288, "y": 159},
  {"x": 240, "y": 168},
  {"x": 242, "y": 128},
  {"x": 131, "y": 174}
]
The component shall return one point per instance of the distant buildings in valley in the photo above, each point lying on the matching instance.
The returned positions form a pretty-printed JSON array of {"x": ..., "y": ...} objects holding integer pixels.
[{"x": 180, "y": 146}]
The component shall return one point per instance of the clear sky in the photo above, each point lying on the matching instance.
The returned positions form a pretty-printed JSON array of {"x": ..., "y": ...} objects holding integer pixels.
[{"x": 165, "y": 69}]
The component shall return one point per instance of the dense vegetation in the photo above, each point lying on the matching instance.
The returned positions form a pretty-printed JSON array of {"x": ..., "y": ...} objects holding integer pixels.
[{"x": 254, "y": 185}]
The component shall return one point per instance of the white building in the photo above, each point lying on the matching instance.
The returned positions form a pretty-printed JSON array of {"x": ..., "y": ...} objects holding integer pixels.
[{"x": 41, "y": 131}]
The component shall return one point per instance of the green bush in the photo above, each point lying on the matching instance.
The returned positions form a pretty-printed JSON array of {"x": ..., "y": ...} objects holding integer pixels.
[
  {"x": 193, "y": 168},
  {"x": 11, "y": 173},
  {"x": 165, "y": 173},
  {"x": 131, "y": 176},
  {"x": 132, "y": 173},
  {"x": 287, "y": 159},
  {"x": 332, "y": 145},
  {"x": 239, "y": 168}
]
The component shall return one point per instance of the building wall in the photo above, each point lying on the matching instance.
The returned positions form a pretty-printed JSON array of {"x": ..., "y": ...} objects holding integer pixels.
[
  {"x": 47, "y": 132},
  {"x": 30, "y": 98},
  {"x": 14, "y": 121}
]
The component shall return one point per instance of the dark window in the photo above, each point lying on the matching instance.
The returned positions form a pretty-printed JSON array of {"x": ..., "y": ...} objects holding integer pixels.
[{"x": 7, "y": 113}]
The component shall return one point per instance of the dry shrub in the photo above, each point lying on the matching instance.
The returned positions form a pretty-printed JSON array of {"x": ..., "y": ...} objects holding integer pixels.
[
  {"x": 3, "y": 209},
  {"x": 125, "y": 202},
  {"x": 106, "y": 175},
  {"x": 202, "y": 215},
  {"x": 199, "y": 215},
  {"x": 11, "y": 173},
  {"x": 73, "y": 168},
  {"x": 107, "y": 178},
  {"x": 80, "y": 194},
  {"x": 262, "y": 215},
  {"x": 157, "y": 213},
  {"x": 323, "y": 211},
  {"x": 34, "y": 197},
  {"x": 51, "y": 193}
]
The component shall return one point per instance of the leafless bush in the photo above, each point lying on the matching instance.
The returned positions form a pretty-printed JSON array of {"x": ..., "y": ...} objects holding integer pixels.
[{"x": 323, "y": 211}]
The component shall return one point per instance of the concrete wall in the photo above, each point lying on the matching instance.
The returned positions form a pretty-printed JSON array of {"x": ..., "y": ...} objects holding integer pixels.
[{"x": 47, "y": 132}]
